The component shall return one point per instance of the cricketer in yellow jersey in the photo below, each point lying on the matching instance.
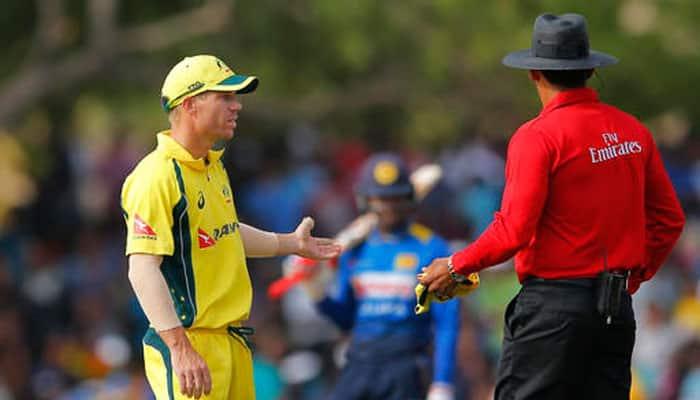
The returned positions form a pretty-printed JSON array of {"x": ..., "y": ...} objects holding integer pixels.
[{"x": 186, "y": 247}]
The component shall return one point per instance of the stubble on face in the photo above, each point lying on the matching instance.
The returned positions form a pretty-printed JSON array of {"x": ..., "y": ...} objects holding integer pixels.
[{"x": 219, "y": 114}]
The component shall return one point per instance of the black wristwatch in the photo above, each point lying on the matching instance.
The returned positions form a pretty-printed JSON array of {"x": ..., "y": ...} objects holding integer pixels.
[{"x": 459, "y": 278}]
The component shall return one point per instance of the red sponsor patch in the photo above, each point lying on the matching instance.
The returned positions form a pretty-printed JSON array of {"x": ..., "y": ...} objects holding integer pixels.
[
  {"x": 141, "y": 227},
  {"x": 204, "y": 239}
]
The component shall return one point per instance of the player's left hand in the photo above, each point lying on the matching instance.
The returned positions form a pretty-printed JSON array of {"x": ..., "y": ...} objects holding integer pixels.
[
  {"x": 313, "y": 247},
  {"x": 436, "y": 277}
]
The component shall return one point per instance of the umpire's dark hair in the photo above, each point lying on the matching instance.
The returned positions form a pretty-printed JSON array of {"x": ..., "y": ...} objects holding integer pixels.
[{"x": 569, "y": 79}]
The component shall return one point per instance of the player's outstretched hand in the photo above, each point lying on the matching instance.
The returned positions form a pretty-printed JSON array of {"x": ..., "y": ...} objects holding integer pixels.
[
  {"x": 436, "y": 277},
  {"x": 313, "y": 247}
]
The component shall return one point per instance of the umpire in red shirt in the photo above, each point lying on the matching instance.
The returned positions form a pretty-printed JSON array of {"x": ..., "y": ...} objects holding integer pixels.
[{"x": 588, "y": 212}]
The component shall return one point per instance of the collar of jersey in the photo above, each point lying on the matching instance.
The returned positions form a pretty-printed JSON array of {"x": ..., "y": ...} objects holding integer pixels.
[
  {"x": 172, "y": 148},
  {"x": 571, "y": 96}
]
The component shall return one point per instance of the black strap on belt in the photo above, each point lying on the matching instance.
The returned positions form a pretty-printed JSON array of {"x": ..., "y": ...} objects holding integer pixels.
[
  {"x": 611, "y": 286},
  {"x": 243, "y": 332}
]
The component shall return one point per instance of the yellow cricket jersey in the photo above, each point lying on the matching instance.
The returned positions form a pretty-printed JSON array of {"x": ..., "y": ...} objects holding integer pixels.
[{"x": 182, "y": 208}]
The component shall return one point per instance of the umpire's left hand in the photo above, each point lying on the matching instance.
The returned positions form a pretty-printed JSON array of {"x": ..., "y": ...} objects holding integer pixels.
[{"x": 436, "y": 277}]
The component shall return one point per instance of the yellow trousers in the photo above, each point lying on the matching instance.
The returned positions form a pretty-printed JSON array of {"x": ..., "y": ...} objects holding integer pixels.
[{"x": 229, "y": 359}]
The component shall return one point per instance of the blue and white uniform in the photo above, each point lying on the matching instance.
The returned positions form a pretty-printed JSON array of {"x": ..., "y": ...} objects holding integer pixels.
[{"x": 373, "y": 297}]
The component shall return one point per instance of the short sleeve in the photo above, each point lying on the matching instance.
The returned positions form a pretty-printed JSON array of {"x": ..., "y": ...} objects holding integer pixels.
[{"x": 149, "y": 200}]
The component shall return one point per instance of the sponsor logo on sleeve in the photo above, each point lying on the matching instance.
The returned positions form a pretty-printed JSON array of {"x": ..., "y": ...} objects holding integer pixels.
[{"x": 142, "y": 230}]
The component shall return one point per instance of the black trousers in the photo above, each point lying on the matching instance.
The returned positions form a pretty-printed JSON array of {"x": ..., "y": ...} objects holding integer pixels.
[{"x": 557, "y": 346}]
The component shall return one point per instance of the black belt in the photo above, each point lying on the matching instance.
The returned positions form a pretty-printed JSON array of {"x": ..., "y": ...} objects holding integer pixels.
[
  {"x": 608, "y": 286},
  {"x": 579, "y": 282},
  {"x": 591, "y": 282}
]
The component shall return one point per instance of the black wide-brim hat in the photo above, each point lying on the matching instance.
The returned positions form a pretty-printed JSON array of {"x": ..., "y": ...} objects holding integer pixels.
[{"x": 559, "y": 43}]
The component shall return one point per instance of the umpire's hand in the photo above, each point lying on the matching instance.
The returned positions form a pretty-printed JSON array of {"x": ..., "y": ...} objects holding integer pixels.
[
  {"x": 189, "y": 367},
  {"x": 436, "y": 277}
]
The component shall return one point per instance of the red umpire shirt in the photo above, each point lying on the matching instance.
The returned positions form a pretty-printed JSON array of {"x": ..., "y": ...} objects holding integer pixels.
[{"x": 585, "y": 185}]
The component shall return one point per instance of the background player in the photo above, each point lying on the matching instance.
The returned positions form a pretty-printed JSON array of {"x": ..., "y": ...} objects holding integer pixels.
[{"x": 373, "y": 298}]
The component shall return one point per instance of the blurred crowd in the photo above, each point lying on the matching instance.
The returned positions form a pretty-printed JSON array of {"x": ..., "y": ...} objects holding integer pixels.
[{"x": 70, "y": 327}]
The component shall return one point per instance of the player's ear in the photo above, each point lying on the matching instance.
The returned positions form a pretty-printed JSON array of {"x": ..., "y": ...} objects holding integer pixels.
[{"x": 189, "y": 105}]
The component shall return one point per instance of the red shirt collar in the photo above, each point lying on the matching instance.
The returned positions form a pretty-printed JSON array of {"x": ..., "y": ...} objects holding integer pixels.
[{"x": 570, "y": 96}]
